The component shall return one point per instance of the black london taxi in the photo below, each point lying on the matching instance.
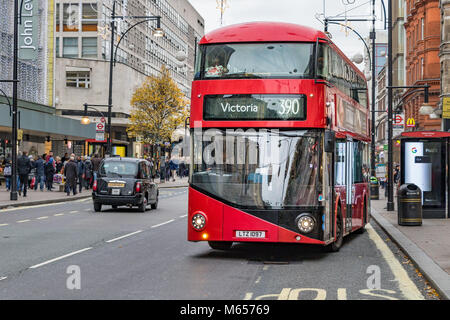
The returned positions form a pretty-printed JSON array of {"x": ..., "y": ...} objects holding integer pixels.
[{"x": 124, "y": 182}]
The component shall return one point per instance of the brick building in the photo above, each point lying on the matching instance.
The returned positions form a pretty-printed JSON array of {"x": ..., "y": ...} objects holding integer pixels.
[{"x": 422, "y": 30}]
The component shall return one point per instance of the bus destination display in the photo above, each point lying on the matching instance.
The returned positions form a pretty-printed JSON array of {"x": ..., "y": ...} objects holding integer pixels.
[{"x": 254, "y": 107}]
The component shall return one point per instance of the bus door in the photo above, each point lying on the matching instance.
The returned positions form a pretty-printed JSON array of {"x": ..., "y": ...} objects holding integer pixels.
[{"x": 349, "y": 186}]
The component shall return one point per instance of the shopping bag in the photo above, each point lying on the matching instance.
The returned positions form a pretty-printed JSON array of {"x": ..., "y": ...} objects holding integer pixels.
[{"x": 33, "y": 182}]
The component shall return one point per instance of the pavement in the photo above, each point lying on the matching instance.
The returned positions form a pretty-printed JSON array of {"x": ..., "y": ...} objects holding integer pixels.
[
  {"x": 427, "y": 245},
  {"x": 43, "y": 197}
]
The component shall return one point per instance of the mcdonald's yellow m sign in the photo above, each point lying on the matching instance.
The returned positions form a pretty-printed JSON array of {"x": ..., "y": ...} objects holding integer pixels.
[{"x": 410, "y": 122}]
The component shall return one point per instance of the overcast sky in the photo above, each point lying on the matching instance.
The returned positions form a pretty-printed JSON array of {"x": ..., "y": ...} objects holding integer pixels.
[{"x": 295, "y": 11}]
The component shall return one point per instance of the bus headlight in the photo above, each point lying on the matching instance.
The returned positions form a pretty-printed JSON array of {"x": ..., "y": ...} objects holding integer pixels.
[
  {"x": 198, "y": 221},
  {"x": 306, "y": 223}
]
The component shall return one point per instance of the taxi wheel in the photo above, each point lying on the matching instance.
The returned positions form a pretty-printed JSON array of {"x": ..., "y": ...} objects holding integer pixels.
[
  {"x": 143, "y": 205},
  {"x": 97, "y": 207},
  {"x": 155, "y": 205}
]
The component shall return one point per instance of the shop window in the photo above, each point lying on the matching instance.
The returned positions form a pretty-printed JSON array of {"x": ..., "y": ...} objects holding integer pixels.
[{"x": 78, "y": 79}]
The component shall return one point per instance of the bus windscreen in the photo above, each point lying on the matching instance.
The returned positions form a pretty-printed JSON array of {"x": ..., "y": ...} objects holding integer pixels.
[{"x": 258, "y": 60}]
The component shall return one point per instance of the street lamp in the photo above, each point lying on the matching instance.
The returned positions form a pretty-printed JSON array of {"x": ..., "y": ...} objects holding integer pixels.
[{"x": 158, "y": 32}]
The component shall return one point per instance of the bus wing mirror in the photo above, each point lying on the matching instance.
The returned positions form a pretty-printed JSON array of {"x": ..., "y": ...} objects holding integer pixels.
[{"x": 329, "y": 140}]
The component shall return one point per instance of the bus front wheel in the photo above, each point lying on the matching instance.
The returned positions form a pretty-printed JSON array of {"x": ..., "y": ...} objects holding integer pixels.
[
  {"x": 220, "y": 245},
  {"x": 337, "y": 244}
]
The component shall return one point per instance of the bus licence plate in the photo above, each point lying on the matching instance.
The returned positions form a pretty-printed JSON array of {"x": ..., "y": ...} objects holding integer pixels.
[{"x": 250, "y": 234}]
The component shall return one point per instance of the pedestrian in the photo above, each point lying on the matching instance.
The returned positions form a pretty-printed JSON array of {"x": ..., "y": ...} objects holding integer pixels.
[
  {"x": 95, "y": 165},
  {"x": 65, "y": 158},
  {"x": 71, "y": 174},
  {"x": 80, "y": 170},
  {"x": 48, "y": 156},
  {"x": 49, "y": 172},
  {"x": 182, "y": 169},
  {"x": 167, "y": 167},
  {"x": 173, "y": 168},
  {"x": 23, "y": 169},
  {"x": 59, "y": 165},
  {"x": 7, "y": 174},
  {"x": 396, "y": 173},
  {"x": 88, "y": 175},
  {"x": 32, "y": 174},
  {"x": 39, "y": 165}
]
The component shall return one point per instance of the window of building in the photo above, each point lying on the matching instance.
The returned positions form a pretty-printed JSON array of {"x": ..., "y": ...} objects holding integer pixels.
[
  {"x": 78, "y": 79},
  {"x": 70, "y": 47},
  {"x": 422, "y": 68},
  {"x": 71, "y": 17},
  {"x": 57, "y": 17},
  {"x": 57, "y": 47},
  {"x": 422, "y": 27},
  {"x": 89, "y": 17},
  {"x": 89, "y": 47}
]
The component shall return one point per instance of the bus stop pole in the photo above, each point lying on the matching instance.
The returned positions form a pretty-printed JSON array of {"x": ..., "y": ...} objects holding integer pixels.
[
  {"x": 390, "y": 185},
  {"x": 373, "y": 129}
]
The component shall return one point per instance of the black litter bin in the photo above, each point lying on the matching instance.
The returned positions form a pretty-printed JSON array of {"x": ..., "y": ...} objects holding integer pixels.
[
  {"x": 374, "y": 189},
  {"x": 409, "y": 204}
]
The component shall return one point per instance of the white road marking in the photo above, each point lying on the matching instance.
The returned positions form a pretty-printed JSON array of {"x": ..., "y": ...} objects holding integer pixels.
[
  {"x": 3, "y": 278},
  {"x": 22, "y": 221},
  {"x": 124, "y": 236},
  {"x": 59, "y": 258},
  {"x": 75, "y": 211},
  {"x": 406, "y": 285},
  {"x": 258, "y": 280},
  {"x": 248, "y": 296},
  {"x": 183, "y": 216},
  {"x": 3, "y": 224},
  {"x": 158, "y": 225},
  {"x": 42, "y": 218},
  {"x": 58, "y": 214},
  {"x": 31, "y": 207}
]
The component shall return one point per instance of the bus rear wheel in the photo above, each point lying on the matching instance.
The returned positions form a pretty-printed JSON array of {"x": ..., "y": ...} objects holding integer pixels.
[{"x": 220, "y": 245}]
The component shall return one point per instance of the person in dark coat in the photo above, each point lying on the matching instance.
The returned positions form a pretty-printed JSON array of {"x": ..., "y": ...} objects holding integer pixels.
[
  {"x": 80, "y": 170},
  {"x": 39, "y": 164},
  {"x": 71, "y": 173},
  {"x": 49, "y": 172},
  {"x": 23, "y": 169},
  {"x": 95, "y": 165},
  {"x": 88, "y": 174}
]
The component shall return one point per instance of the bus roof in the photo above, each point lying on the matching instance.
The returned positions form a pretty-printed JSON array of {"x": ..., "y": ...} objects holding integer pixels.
[{"x": 262, "y": 31}]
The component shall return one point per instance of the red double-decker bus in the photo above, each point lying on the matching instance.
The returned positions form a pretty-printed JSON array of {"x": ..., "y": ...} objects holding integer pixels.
[{"x": 279, "y": 138}]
